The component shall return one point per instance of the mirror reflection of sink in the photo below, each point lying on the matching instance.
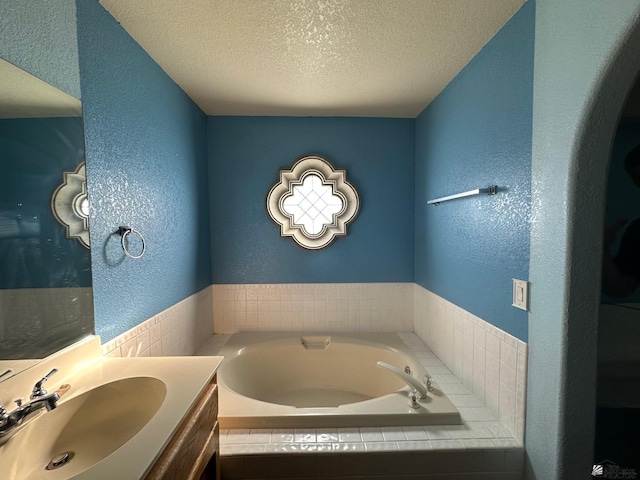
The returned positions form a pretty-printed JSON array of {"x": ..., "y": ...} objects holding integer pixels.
[{"x": 88, "y": 428}]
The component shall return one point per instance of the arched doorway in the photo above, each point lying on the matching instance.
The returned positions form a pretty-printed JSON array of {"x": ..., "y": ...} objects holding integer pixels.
[{"x": 586, "y": 60}]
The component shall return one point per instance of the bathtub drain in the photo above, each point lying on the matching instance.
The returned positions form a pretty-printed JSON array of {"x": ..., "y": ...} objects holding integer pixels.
[{"x": 60, "y": 460}]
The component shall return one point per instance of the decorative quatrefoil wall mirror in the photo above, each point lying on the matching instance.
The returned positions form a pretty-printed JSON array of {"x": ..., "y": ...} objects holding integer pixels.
[
  {"x": 313, "y": 203},
  {"x": 70, "y": 205}
]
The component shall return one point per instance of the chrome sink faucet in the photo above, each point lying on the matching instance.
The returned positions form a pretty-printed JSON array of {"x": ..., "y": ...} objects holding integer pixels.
[{"x": 10, "y": 422}]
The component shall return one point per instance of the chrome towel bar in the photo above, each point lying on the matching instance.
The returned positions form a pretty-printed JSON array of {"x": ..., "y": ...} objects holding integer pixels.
[{"x": 491, "y": 190}]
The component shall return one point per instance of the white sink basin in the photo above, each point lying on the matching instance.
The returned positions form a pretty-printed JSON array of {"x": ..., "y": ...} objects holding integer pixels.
[{"x": 82, "y": 431}]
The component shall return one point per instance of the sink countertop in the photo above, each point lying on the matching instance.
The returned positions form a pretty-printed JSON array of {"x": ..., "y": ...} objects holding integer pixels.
[{"x": 184, "y": 377}]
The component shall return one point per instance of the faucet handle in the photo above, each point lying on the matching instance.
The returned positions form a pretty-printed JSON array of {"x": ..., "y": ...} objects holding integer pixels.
[
  {"x": 428, "y": 382},
  {"x": 414, "y": 399},
  {"x": 38, "y": 390}
]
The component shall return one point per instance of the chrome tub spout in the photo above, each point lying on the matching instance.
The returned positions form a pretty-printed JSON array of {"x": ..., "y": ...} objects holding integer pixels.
[{"x": 408, "y": 379}]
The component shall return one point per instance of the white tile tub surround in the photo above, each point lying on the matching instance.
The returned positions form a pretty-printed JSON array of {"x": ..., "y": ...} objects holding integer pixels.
[
  {"x": 482, "y": 447},
  {"x": 481, "y": 368},
  {"x": 179, "y": 330},
  {"x": 481, "y": 426},
  {"x": 489, "y": 362},
  {"x": 313, "y": 307}
]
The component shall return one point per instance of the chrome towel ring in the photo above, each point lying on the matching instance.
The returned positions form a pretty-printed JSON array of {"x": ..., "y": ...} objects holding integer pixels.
[{"x": 123, "y": 232}]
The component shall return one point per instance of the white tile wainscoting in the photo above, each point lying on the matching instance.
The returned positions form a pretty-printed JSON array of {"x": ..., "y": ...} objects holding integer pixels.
[
  {"x": 179, "y": 330},
  {"x": 488, "y": 361},
  {"x": 313, "y": 307},
  {"x": 481, "y": 368}
]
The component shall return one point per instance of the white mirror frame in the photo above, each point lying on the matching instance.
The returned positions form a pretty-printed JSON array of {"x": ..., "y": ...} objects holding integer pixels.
[{"x": 286, "y": 188}]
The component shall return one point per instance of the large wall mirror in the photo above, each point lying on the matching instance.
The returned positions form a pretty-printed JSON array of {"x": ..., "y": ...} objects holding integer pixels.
[
  {"x": 621, "y": 266},
  {"x": 618, "y": 386},
  {"x": 46, "y": 298}
]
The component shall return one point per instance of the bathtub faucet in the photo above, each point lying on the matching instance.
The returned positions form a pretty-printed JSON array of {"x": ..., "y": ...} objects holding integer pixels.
[{"x": 408, "y": 379}]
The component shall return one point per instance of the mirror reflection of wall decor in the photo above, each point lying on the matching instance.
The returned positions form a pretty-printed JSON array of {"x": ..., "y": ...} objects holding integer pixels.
[
  {"x": 313, "y": 202},
  {"x": 621, "y": 256},
  {"x": 70, "y": 205},
  {"x": 46, "y": 299},
  {"x": 619, "y": 318}
]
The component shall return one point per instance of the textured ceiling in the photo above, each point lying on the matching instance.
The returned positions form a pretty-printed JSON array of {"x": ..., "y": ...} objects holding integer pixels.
[{"x": 386, "y": 58}]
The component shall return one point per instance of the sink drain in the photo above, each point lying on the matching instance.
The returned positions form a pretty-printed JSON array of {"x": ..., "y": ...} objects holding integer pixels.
[{"x": 60, "y": 460}]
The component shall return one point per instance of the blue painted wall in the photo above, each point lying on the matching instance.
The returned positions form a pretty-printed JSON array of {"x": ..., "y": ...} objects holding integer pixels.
[
  {"x": 40, "y": 37},
  {"x": 245, "y": 156},
  {"x": 476, "y": 133},
  {"x": 34, "y": 250},
  {"x": 146, "y": 151}
]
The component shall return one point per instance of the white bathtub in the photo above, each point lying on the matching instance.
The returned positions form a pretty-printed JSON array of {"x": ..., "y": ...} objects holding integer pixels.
[{"x": 288, "y": 380}]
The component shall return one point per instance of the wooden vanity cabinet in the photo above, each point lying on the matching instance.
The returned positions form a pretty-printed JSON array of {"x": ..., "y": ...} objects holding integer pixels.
[{"x": 193, "y": 452}]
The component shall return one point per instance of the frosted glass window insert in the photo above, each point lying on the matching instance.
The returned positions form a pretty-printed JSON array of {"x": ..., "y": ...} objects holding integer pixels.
[{"x": 313, "y": 203}]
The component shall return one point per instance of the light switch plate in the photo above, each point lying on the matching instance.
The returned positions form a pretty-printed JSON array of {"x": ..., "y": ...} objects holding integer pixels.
[{"x": 520, "y": 294}]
